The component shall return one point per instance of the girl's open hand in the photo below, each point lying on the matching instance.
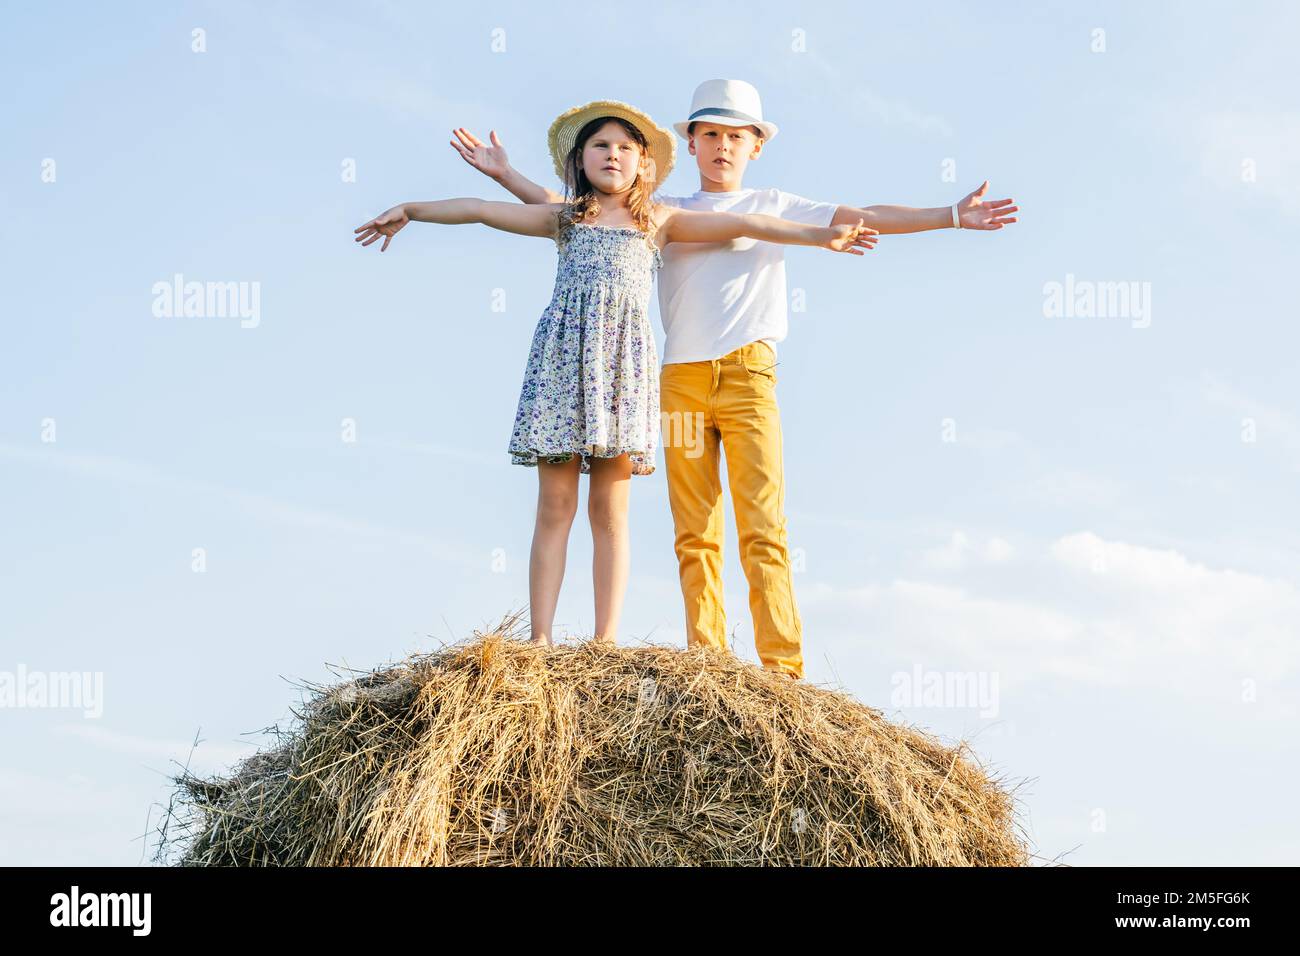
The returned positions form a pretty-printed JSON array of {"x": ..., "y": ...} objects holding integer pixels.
[
  {"x": 490, "y": 160},
  {"x": 386, "y": 224},
  {"x": 851, "y": 239}
]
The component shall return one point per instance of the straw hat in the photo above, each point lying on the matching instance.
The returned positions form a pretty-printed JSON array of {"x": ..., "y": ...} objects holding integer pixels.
[{"x": 564, "y": 131}]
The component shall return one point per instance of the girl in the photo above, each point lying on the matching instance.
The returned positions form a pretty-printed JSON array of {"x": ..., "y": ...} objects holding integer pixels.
[{"x": 590, "y": 398}]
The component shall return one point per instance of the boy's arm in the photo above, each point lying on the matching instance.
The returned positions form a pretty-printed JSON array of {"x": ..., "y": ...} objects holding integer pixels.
[
  {"x": 974, "y": 210},
  {"x": 685, "y": 225},
  {"x": 491, "y": 161}
]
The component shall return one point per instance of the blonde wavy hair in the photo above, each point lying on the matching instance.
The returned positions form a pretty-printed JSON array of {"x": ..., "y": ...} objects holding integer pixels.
[{"x": 581, "y": 202}]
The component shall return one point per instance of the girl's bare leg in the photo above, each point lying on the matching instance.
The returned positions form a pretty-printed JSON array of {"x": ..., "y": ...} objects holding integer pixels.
[
  {"x": 557, "y": 503},
  {"x": 611, "y": 558}
]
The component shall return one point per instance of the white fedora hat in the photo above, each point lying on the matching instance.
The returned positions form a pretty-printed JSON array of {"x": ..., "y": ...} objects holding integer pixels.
[{"x": 729, "y": 102}]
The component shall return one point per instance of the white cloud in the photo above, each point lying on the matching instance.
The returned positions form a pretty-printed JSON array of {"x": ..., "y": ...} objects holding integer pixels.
[
  {"x": 1172, "y": 605},
  {"x": 1267, "y": 142},
  {"x": 1098, "y": 611},
  {"x": 1070, "y": 486},
  {"x": 960, "y": 551},
  {"x": 998, "y": 550},
  {"x": 1272, "y": 424}
]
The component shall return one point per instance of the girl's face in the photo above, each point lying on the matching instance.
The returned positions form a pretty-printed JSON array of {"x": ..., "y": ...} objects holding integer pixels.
[{"x": 611, "y": 158}]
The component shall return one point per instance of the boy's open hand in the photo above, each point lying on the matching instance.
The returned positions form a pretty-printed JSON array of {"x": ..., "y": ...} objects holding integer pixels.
[
  {"x": 490, "y": 160},
  {"x": 851, "y": 239},
  {"x": 386, "y": 224},
  {"x": 976, "y": 212}
]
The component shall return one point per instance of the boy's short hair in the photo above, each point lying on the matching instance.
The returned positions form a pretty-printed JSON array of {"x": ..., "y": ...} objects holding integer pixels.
[{"x": 758, "y": 133}]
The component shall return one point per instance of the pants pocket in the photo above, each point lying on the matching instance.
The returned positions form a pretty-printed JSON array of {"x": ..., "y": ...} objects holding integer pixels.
[{"x": 760, "y": 362}]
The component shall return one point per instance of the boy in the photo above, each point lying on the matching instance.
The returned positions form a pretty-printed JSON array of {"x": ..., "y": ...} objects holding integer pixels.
[{"x": 723, "y": 308}]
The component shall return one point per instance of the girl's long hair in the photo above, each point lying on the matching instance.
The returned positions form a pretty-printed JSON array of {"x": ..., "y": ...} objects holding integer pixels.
[{"x": 582, "y": 203}]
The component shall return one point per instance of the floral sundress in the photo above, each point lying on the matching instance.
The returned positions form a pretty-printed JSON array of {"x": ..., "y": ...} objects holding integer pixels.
[{"x": 591, "y": 384}]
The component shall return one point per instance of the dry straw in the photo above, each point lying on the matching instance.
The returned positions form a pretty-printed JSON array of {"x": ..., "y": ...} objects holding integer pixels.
[{"x": 496, "y": 752}]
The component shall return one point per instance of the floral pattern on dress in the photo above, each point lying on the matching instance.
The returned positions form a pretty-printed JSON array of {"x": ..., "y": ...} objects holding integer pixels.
[{"x": 591, "y": 383}]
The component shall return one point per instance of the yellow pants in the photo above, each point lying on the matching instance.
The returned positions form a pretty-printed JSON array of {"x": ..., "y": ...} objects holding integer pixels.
[{"x": 729, "y": 404}]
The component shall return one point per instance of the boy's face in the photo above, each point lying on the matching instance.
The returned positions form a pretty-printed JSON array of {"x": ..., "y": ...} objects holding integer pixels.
[
  {"x": 723, "y": 152},
  {"x": 611, "y": 158}
]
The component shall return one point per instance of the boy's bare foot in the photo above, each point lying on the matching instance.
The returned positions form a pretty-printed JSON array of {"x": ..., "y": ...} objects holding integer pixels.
[{"x": 543, "y": 640}]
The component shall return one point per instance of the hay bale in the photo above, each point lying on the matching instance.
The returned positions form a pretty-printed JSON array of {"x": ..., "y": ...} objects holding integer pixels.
[{"x": 495, "y": 752}]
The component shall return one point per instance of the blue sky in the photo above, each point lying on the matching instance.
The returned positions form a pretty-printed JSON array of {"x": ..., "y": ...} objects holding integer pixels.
[{"x": 1104, "y": 530}]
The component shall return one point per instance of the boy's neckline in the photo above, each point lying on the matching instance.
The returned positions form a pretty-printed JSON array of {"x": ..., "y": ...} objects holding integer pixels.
[{"x": 728, "y": 192}]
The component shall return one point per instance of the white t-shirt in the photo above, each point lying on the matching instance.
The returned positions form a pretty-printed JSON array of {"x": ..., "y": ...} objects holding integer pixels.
[{"x": 715, "y": 297}]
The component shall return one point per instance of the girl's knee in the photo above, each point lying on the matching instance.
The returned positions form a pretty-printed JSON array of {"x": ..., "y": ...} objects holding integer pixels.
[
  {"x": 607, "y": 494},
  {"x": 608, "y": 512},
  {"x": 557, "y": 493},
  {"x": 557, "y": 508}
]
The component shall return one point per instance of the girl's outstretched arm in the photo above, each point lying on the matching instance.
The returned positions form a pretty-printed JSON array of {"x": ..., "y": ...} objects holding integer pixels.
[
  {"x": 531, "y": 220},
  {"x": 686, "y": 225}
]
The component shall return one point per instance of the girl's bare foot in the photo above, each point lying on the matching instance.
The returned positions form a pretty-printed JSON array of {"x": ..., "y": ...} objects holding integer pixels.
[{"x": 541, "y": 640}]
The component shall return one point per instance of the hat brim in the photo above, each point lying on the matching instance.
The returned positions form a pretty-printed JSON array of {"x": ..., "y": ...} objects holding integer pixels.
[
  {"x": 564, "y": 132},
  {"x": 769, "y": 129}
]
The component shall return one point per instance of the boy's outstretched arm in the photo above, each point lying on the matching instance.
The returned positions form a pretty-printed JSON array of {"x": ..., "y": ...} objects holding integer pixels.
[
  {"x": 491, "y": 161},
  {"x": 526, "y": 220},
  {"x": 974, "y": 210},
  {"x": 685, "y": 225}
]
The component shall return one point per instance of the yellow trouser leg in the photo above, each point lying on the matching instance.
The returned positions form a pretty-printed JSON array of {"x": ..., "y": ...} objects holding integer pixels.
[
  {"x": 690, "y": 443},
  {"x": 749, "y": 420}
]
